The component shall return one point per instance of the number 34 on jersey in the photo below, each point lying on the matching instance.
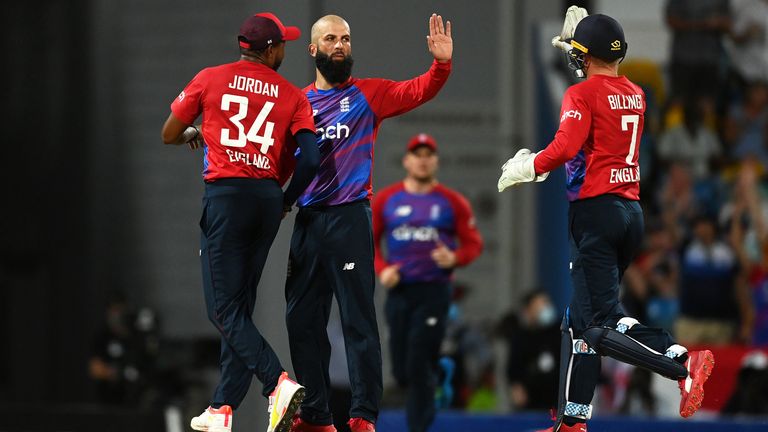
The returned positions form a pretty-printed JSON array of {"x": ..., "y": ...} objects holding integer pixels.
[{"x": 253, "y": 135}]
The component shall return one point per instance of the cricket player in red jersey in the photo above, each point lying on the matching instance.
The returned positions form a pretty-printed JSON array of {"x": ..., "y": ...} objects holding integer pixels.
[
  {"x": 253, "y": 121},
  {"x": 601, "y": 121}
]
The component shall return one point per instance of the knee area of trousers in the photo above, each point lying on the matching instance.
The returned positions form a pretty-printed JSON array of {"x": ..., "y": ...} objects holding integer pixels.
[{"x": 594, "y": 336}]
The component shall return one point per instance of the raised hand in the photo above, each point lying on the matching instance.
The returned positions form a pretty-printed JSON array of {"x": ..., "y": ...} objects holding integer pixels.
[
  {"x": 439, "y": 41},
  {"x": 573, "y": 15}
]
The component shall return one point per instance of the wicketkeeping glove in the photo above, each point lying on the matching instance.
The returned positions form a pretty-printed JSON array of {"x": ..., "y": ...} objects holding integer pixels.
[
  {"x": 573, "y": 15},
  {"x": 519, "y": 169}
]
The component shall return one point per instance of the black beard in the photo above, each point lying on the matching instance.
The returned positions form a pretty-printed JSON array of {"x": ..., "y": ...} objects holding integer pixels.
[{"x": 334, "y": 72}]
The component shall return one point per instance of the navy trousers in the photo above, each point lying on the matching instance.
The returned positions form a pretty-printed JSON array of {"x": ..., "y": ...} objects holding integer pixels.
[
  {"x": 332, "y": 254},
  {"x": 239, "y": 223},
  {"x": 605, "y": 233},
  {"x": 416, "y": 316}
]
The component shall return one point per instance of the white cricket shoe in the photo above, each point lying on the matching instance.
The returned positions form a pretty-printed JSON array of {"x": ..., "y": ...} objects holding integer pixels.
[
  {"x": 214, "y": 420},
  {"x": 283, "y": 403}
]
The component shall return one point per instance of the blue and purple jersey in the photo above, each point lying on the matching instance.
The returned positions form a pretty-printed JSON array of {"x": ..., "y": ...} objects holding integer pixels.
[
  {"x": 347, "y": 118},
  {"x": 412, "y": 225}
]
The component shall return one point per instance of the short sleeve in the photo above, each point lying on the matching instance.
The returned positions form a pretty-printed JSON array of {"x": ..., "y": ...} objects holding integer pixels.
[{"x": 188, "y": 104}]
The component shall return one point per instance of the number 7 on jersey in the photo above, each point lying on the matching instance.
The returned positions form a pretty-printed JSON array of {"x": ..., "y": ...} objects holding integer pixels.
[{"x": 634, "y": 120}]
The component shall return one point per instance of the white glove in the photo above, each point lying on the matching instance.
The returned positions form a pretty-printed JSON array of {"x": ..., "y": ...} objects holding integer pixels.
[
  {"x": 519, "y": 169},
  {"x": 573, "y": 15}
]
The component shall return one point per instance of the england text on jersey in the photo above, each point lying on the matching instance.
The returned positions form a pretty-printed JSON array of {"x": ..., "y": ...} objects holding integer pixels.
[
  {"x": 625, "y": 175},
  {"x": 254, "y": 160}
]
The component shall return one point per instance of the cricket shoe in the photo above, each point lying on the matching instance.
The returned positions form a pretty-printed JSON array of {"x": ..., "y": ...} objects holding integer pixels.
[
  {"x": 358, "y": 424},
  {"x": 699, "y": 365},
  {"x": 213, "y": 420},
  {"x": 300, "y": 425},
  {"x": 283, "y": 403}
]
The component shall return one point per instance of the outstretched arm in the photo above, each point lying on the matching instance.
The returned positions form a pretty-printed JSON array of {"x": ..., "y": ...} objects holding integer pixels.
[{"x": 389, "y": 98}]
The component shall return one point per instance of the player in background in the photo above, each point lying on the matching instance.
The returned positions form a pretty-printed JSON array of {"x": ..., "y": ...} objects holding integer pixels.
[
  {"x": 332, "y": 244},
  {"x": 421, "y": 221},
  {"x": 598, "y": 141},
  {"x": 253, "y": 120}
]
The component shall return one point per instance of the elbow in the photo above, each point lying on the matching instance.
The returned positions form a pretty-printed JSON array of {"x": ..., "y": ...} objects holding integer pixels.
[{"x": 167, "y": 138}]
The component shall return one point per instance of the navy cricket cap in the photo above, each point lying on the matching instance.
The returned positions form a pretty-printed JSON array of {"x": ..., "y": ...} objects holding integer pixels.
[
  {"x": 264, "y": 29},
  {"x": 600, "y": 36}
]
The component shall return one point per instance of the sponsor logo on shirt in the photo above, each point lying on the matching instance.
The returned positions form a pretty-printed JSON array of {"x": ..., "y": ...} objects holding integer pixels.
[
  {"x": 406, "y": 232},
  {"x": 337, "y": 131},
  {"x": 182, "y": 95},
  {"x": 575, "y": 114}
]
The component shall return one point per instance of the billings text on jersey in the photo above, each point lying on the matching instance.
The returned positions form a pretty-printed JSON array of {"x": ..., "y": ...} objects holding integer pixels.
[{"x": 630, "y": 102}]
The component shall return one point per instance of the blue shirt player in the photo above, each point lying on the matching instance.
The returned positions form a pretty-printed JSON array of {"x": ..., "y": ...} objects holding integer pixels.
[{"x": 332, "y": 245}]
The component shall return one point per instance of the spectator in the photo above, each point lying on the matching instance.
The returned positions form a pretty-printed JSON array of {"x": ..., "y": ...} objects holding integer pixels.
[
  {"x": 759, "y": 291},
  {"x": 749, "y": 47},
  {"x": 651, "y": 280},
  {"x": 746, "y": 123},
  {"x": 124, "y": 353},
  {"x": 747, "y": 214},
  {"x": 676, "y": 202},
  {"x": 709, "y": 271},
  {"x": 690, "y": 143},
  {"x": 749, "y": 396},
  {"x": 697, "y": 50},
  {"x": 533, "y": 339}
]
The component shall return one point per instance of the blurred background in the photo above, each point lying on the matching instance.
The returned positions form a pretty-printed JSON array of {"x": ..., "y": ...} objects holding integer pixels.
[{"x": 101, "y": 309}]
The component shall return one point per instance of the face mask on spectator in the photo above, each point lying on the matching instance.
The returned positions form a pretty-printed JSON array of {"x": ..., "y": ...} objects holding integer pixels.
[{"x": 546, "y": 316}]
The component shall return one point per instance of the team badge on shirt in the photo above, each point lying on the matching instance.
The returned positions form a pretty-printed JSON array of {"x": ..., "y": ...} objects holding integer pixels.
[{"x": 403, "y": 210}]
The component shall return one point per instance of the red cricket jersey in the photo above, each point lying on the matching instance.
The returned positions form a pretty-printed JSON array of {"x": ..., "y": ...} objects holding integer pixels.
[
  {"x": 601, "y": 122},
  {"x": 250, "y": 116}
]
